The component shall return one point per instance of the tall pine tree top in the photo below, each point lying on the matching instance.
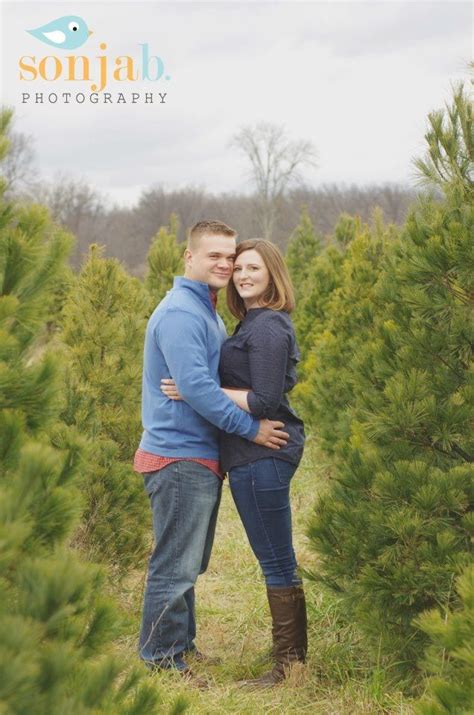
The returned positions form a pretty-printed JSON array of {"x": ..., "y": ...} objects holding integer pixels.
[
  {"x": 449, "y": 162},
  {"x": 304, "y": 245},
  {"x": 165, "y": 260}
]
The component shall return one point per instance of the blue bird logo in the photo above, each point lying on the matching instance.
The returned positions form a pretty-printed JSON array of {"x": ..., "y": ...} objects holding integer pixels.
[{"x": 67, "y": 33}]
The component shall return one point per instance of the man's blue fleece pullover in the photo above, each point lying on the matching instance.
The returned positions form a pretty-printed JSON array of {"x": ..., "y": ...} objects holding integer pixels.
[{"x": 183, "y": 341}]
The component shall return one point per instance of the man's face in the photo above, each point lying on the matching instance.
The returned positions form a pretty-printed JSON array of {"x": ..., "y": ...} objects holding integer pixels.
[{"x": 211, "y": 261}]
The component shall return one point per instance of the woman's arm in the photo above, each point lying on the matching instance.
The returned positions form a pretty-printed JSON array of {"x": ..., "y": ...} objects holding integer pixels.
[
  {"x": 268, "y": 347},
  {"x": 239, "y": 396}
]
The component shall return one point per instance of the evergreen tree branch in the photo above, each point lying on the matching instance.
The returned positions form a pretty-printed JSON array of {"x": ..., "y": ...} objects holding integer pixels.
[{"x": 462, "y": 453}]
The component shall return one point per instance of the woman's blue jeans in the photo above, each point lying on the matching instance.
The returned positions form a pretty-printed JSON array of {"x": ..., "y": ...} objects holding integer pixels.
[
  {"x": 184, "y": 499},
  {"x": 261, "y": 491}
]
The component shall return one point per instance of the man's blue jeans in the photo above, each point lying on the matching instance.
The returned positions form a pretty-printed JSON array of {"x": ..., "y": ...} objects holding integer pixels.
[
  {"x": 261, "y": 491},
  {"x": 184, "y": 498}
]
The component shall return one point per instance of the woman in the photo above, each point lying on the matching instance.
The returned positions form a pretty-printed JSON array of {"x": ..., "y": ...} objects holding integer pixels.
[{"x": 258, "y": 368}]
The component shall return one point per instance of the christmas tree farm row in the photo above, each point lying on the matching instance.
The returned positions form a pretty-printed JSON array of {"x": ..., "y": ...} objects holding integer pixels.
[
  {"x": 385, "y": 322},
  {"x": 57, "y": 625}
]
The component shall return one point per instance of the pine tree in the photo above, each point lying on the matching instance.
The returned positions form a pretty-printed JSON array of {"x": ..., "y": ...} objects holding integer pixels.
[
  {"x": 303, "y": 247},
  {"x": 165, "y": 260},
  {"x": 449, "y": 162},
  {"x": 395, "y": 378},
  {"x": 104, "y": 321},
  {"x": 450, "y": 656},
  {"x": 310, "y": 318},
  {"x": 342, "y": 309},
  {"x": 324, "y": 276},
  {"x": 346, "y": 229},
  {"x": 56, "y": 627}
]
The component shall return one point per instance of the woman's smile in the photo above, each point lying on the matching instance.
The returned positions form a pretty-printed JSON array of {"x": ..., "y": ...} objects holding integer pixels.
[{"x": 250, "y": 263}]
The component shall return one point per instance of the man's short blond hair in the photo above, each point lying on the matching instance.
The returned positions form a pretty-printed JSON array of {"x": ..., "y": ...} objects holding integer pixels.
[{"x": 206, "y": 228}]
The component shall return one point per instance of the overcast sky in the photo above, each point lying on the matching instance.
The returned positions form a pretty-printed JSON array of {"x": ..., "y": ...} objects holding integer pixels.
[{"x": 356, "y": 78}]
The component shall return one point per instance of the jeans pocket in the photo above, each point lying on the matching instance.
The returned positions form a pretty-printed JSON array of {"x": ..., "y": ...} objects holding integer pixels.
[
  {"x": 149, "y": 482},
  {"x": 284, "y": 470},
  {"x": 152, "y": 480}
]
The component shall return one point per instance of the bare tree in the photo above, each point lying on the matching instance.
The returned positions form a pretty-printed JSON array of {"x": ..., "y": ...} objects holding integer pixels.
[
  {"x": 276, "y": 163},
  {"x": 128, "y": 232},
  {"x": 71, "y": 201},
  {"x": 79, "y": 207},
  {"x": 18, "y": 166}
]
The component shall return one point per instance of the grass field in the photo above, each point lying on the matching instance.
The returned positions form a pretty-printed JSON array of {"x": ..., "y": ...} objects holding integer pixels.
[{"x": 233, "y": 623}]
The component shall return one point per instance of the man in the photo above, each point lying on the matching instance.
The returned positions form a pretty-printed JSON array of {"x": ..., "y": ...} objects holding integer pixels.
[{"x": 178, "y": 453}]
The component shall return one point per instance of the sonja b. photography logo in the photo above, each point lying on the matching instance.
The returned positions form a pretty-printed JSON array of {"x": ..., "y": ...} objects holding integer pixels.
[{"x": 94, "y": 75}]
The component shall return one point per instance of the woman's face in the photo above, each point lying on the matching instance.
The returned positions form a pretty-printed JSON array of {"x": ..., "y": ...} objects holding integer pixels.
[{"x": 251, "y": 277}]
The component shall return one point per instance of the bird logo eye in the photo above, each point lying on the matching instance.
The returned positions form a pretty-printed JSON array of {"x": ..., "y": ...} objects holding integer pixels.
[{"x": 67, "y": 33}]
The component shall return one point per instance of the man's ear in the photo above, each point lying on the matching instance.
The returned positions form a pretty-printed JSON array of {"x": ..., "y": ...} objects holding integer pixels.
[{"x": 188, "y": 257}]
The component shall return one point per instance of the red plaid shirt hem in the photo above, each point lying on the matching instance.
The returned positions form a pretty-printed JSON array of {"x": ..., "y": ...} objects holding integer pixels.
[{"x": 147, "y": 462}]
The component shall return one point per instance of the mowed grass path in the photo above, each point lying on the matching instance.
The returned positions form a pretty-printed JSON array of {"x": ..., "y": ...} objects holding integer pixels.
[{"x": 234, "y": 624}]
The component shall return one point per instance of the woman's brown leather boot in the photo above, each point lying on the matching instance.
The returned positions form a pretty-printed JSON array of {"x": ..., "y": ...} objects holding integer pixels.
[{"x": 289, "y": 631}]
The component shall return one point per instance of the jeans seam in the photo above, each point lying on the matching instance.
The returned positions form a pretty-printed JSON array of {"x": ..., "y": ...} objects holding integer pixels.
[
  {"x": 160, "y": 635},
  {"x": 263, "y": 523},
  {"x": 173, "y": 573}
]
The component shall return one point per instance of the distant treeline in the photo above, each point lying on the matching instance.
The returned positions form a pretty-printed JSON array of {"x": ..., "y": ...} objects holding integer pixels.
[{"x": 127, "y": 232}]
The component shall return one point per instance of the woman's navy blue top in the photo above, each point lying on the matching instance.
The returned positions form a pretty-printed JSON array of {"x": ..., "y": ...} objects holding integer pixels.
[{"x": 262, "y": 355}]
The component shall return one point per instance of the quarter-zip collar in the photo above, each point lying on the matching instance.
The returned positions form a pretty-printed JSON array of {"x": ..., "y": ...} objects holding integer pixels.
[{"x": 202, "y": 290}]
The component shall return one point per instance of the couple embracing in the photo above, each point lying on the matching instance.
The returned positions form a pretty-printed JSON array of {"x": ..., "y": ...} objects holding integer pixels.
[{"x": 196, "y": 431}]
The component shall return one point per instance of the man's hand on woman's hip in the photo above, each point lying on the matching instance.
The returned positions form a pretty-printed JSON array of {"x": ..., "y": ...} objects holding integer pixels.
[{"x": 271, "y": 435}]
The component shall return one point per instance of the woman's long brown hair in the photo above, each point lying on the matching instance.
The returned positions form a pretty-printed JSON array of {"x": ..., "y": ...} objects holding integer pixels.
[{"x": 279, "y": 294}]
